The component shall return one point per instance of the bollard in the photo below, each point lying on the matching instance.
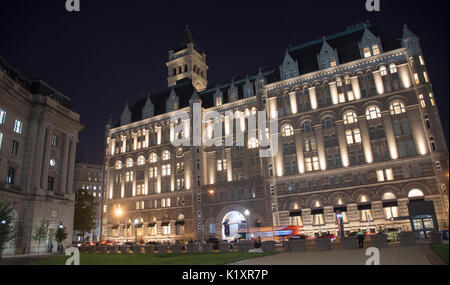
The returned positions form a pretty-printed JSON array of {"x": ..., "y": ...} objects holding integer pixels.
[
  {"x": 268, "y": 246},
  {"x": 407, "y": 239},
  {"x": 379, "y": 240},
  {"x": 176, "y": 248},
  {"x": 348, "y": 243},
  {"x": 224, "y": 247},
  {"x": 136, "y": 249},
  {"x": 114, "y": 249},
  {"x": 297, "y": 245},
  {"x": 92, "y": 249},
  {"x": 162, "y": 249},
  {"x": 191, "y": 248},
  {"x": 102, "y": 249},
  {"x": 124, "y": 249},
  {"x": 323, "y": 244}
]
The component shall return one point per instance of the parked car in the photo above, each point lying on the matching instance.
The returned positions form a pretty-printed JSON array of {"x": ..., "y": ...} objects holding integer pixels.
[
  {"x": 214, "y": 241},
  {"x": 332, "y": 237}
]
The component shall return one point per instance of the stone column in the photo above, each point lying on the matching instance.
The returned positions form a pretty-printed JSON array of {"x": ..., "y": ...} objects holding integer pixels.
[
  {"x": 293, "y": 102},
  {"x": 37, "y": 165},
  {"x": 46, "y": 157},
  {"x": 390, "y": 136},
  {"x": 313, "y": 98},
  {"x": 378, "y": 82},
  {"x": 320, "y": 147},
  {"x": 365, "y": 139},
  {"x": 355, "y": 87},
  {"x": 147, "y": 139},
  {"x": 342, "y": 144},
  {"x": 229, "y": 165},
  {"x": 64, "y": 162},
  {"x": 334, "y": 93},
  {"x": 71, "y": 166},
  {"x": 299, "y": 148},
  {"x": 146, "y": 186}
]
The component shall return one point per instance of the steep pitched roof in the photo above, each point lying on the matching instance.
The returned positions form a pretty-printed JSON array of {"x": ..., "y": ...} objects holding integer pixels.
[{"x": 186, "y": 38}]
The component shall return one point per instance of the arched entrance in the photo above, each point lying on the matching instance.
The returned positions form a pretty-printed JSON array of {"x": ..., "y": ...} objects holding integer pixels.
[{"x": 233, "y": 222}]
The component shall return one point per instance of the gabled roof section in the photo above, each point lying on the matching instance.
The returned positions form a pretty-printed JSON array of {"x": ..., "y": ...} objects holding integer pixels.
[
  {"x": 345, "y": 43},
  {"x": 186, "y": 38}
]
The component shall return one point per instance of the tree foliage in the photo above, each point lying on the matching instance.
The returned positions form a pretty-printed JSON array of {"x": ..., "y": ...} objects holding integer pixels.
[
  {"x": 85, "y": 212},
  {"x": 7, "y": 232},
  {"x": 60, "y": 235},
  {"x": 40, "y": 233}
]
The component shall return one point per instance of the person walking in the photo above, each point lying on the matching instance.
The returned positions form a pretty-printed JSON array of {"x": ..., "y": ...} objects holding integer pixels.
[{"x": 360, "y": 236}]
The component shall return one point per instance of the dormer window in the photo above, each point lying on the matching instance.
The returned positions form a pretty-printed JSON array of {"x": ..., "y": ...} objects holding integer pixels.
[
  {"x": 218, "y": 101},
  {"x": 289, "y": 67},
  {"x": 370, "y": 45},
  {"x": 332, "y": 63},
  {"x": 375, "y": 50},
  {"x": 367, "y": 52}
]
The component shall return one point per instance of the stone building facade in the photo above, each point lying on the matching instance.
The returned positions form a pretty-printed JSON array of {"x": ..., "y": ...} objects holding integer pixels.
[
  {"x": 89, "y": 177},
  {"x": 38, "y": 137},
  {"x": 358, "y": 133}
]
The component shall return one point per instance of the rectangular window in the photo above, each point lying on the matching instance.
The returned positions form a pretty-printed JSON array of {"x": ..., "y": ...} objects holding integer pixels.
[
  {"x": 1, "y": 139},
  {"x": 367, "y": 52},
  {"x": 54, "y": 140},
  {"x": 376, "y": 50},
  {"x": 11, "y": 175},
  {"x": 2, "y": 116},
  {"x": 416, "y": 78},
  {"x": 18, "y": 127},
  {"x": 433, "y": 103},
  {"x": 422, "y": 101},
  {"x": 422, "y": 62},
  {"x": 50, "y": 183},
  {"x": 425, "y": 76},
  {"x": 15, "y": 147}
]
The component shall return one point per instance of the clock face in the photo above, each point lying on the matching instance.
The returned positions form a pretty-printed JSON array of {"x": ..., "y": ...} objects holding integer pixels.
[{"x": 52, "y": 162}]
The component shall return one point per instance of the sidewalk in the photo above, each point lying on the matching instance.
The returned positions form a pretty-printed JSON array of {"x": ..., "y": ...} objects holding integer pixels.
[
  {"x": 21, "y": 259},
  {"x": 393, "y": 255}
]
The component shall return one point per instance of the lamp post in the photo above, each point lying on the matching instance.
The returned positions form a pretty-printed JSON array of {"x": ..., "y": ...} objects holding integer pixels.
[{"x": 247, "y": 214}]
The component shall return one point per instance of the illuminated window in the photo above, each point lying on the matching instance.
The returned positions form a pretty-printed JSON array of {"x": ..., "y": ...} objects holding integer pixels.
[
  {"x": 309, "y": 145},
  {"x": 287, "y": 131},
  {"x": 316, "y": 165},
  {"x": 431, "y": 99},
  {"x": 339, "y": 82},
  {"x": 393, "y": 68},
  {"x": 253, "y": 143},
  {"x": 375, "y": 50},
  {"x": 347, "y": 80},
  {"x": 165, "y": 170},
  {"x": 308, "y": 164},
  {"x": 129, "y": 176},
  {"x": 118, "y": 164},
  {"x": 415, "y": 193},
  {"x": 218, "y": 101},
  {"x": 221, "y": 164},
  {"x": 373, "y": 112},
  {"x": 425, "y": 75},
  {"x": 350, "y": 96},
  {"x": 353, "y": 136},
  {"x": 367, "y": 52},
  {"x": 141, "y": 160},
  {"x": 341, "y": 98},
  {"x": 153, "y": 158},
  {"x": 422, "y": 62},
  {"x": 2, "y": 116},
  {"x": 332, "y": 63},
  {"x": 350, "y": 117},
  {"x": 422, "y": 101},
  {"x": 166, "y": 155},
  {"x": 385, "y": 175},
  {"x": 416, "y": 78},
  {"x": 18, "y": 127},
  {"x": 397, "y": 107},
  {"x": 383, "y": 70}
]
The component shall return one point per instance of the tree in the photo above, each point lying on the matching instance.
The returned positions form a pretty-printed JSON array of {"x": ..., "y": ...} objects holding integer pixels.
[
  {"x": 40, "y": 233},
  {"x": 7, "y": 232},
  {"x": 85, "y": 212},
  {"x": 60, "y": 236}
]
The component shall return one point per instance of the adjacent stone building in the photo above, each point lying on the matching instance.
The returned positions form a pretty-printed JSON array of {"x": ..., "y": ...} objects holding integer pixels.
[
  {"x": 89, "y": 177},
  {"x": 38, "y": 138},
  {"x": 358, "y": 133}
]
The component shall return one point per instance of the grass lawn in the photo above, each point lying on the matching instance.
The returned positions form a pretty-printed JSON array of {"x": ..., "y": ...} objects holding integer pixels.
[
  {"x": 153, "y": 259},
  {"x": 441, "y": 251}
]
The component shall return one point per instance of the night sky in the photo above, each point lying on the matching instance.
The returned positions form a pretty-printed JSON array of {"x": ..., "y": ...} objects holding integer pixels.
[{"x": 115, "y": 51}]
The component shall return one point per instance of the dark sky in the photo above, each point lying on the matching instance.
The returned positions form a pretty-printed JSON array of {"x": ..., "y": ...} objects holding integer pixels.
[{"x": 113, "y": 51}]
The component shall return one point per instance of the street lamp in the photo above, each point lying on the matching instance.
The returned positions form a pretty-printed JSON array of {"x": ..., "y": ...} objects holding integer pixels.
[{"x": 247, "y": 214}]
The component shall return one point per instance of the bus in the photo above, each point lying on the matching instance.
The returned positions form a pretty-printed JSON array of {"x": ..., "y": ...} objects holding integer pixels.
[{"x": 277, "y": 234}]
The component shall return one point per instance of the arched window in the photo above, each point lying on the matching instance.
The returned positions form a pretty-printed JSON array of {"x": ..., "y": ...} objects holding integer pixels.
[
  {"x": 287, "y": 131},
  {"x": 295, "y": 215},
  {"x": 166, "y": 155},
  {"x": 328, "y": 122},
  {"x": 388, "y": 196},
  {"x": 415, "y": 193},
  {"x": 390, "y": 206},
  {"x": 317, "y": 213},
  {"x": 180, "y": 217},
  {"x": 350, "y": 117},
  {"x": 130, "y": 162},
  {"x": 307, "y": 127},
  {"x": 397, "y": 107},
  {"x": 212, "y": 228},
  {"x": 373, "y": 112},
  {"x": 363, "y": 199},
  {"x": 316, "y": 204},
  {"x": 393, "y": 68},
  {"x": 153, "y": 157},
  {"x": 141, "y": 160},
  {"x": 118, "y": 164}
]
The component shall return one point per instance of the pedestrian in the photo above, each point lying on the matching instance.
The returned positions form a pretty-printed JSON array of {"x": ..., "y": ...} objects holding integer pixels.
[{"x": 360, "y": 236}]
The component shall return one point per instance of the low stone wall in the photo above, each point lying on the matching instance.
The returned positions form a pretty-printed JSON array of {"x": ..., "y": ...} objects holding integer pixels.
[
  {"x": 435, "y": 237},
  {"x": 268, "y": 246},
  {"x": 176, "y": 248},
  {"x": 207, "y": 247},
  {"x": 297, "y": 245},
  {"x": 348, "y": 243},
  {"x": 286, "y": 246},
  {"x": 162, "y": 249},
  {"x": 379, "y": 240},
  {"x": 407, "y": 239},
  {"x": 224, "y": 247},
  {"x": 323, "y": 244}
]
